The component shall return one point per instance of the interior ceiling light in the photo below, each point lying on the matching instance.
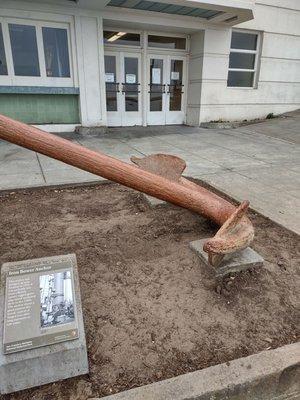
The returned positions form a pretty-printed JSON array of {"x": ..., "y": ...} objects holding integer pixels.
[{"x": 116, "y": 36}]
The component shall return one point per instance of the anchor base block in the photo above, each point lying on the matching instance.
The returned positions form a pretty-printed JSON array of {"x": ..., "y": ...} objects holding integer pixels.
[
  {"x": 234, "y": 262},
  {"x": 153, "y": 201}
]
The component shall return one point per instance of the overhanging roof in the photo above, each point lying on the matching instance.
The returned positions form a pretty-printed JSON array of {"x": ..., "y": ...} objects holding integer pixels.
[
  {"x": 165, "y": 8},
  {"x": 229, "y": 12},
  {"x": 224, "y": 12}
]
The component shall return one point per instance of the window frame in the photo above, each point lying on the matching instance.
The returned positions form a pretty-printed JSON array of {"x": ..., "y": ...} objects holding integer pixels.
[
  {"x": 123, "y": 46},
  {"x": 42, "y": 80},
  {"x": 257, "y": 54},
  {"x": 169, "y": 35}
]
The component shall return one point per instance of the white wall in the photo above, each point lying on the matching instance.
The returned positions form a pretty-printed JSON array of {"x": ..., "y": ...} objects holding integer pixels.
[
  {"x": 195, "y": 78},
  {"x": 90, "y": 69},
  {"x": 278, "y": 88}
]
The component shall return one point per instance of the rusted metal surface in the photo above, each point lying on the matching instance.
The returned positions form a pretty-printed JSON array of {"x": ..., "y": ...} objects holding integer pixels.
[{"x": 158, "y": 175}]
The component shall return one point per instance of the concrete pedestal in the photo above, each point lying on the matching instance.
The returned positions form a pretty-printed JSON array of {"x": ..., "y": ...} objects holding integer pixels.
[
  {"x": 153, "y": 201},
  {"x": 35, "y": 367},
  {"x": 239, "y": 261}
]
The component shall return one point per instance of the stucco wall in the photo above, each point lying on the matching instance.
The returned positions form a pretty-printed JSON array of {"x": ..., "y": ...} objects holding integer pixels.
[{"x": 278, "y": 88}]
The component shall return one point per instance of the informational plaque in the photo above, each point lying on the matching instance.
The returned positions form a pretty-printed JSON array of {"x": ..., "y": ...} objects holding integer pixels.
[{"x": 40, "y": 306}]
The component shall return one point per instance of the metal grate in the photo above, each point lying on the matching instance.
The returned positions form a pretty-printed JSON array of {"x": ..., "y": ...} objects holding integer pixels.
[{"x": 165, "y": 8}]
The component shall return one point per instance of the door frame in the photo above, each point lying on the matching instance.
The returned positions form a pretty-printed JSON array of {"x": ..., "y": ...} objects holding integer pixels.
[
  {"x": 167, "y": 117},
  {"x": 155, "y": 117},
  {"x": 121, "y": 117},
  {"x": 144, "y": 53}
]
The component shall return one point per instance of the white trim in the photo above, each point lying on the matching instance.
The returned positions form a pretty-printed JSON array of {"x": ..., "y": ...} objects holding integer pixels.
[
  {"x": 121, "y": 46},
  {"x": 101, "y": 71},
  {"x": 42, "y": 80},
  {"x": 257, "y": 56}
]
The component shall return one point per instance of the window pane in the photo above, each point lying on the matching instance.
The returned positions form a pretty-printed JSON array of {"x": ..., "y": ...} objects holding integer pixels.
[
  {"x": 122, "y": 38},
  {"x": 3, "y": 65},
  {"x": 56, "y": 52},
  {"x": 131, "y": 87},
  {"x": 156, "y": 87},
  {"x": 166, "y": 42},
  {"x": 111, "y": 85},
  {"x": 241, "y": 60},
  {"x": 24, "y": 50},
  {"x": 245, "y": 41},
  {"x": 175, "y": 87},
  {"x": 240, "y": 79}
]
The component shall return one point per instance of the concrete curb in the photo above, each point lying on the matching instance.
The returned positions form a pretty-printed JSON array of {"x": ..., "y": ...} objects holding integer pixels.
[
  {"x": 269, "y": 375},
  {"x": 91, "y": 131}
]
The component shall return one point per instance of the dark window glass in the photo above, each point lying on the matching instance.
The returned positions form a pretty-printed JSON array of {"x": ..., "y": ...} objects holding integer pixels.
[
  {"x": 241, "y": 60},
  {"x": 131, "y": 87},
  {"x": 166, "y": 42},
  {"x": 240, "y": 79},
  {"x": 56, "y": 52},
  {"x": 245, "y": 41},
  {"x": 175, "y": 87},
  {"x": 156, "y": 88},
  {"x": 3, "y": 65},
  {"x": 24, "y": 50},
  {"x": 122, "y": 38},
  {"x": 111, "y": 84}
]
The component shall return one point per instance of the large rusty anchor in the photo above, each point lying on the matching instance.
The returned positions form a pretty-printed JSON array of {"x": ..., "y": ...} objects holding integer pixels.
[
  {"x": 236, "y": 232},
  {"x": 158, "y": 175}
]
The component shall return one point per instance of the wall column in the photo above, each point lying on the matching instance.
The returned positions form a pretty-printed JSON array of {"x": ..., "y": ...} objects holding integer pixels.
[
  {"x": 195, "y": 78},
  {"x": 90, "y": 55},
  {"x": 208, "y": 71},
  {"x": 214, "y": 72}
]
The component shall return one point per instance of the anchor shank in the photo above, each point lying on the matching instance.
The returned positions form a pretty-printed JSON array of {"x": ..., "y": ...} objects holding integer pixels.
[{"x": 201, "y": 201}]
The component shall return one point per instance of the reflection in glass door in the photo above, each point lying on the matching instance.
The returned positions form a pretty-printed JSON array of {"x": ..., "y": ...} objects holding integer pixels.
[
  {"x": 175, "y": 86},
  {"x": 157, "y": 93},
  {"x": 111, "y": 84},
  {"x": 175, "y": 105},
  {"x": 123, "y": 98}
]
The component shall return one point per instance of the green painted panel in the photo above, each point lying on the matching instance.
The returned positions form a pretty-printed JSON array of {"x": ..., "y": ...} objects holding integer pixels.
[{"x": 41, "y": 108}]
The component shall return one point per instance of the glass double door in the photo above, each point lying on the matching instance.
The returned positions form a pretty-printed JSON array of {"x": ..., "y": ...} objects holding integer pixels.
[
  {"x": 166, "y": 76},
  {"x": 123, "y": 88}
]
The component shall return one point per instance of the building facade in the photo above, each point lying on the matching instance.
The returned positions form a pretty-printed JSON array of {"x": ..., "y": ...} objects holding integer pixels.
[{"x": 99, "y": 63}]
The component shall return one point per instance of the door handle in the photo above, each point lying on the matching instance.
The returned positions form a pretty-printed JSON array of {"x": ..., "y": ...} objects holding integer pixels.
[
  {"x": 163, "y": 88},
  {"x": 137, "y": 85}
]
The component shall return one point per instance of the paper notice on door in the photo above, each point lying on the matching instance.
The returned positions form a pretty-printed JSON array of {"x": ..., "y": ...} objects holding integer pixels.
[
  {"x": 174, "y": 76},
  {"x": 109, "y": 77},
  {"x": 130, "y": 78},
  {"x": 156, "y": 75}
]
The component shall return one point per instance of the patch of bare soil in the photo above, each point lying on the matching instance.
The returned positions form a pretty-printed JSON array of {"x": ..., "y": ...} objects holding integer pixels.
[{"x": 152, "y": 310}]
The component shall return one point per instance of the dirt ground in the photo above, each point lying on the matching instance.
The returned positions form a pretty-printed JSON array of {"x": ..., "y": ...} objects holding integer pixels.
[{"x": 152, "y": 310}]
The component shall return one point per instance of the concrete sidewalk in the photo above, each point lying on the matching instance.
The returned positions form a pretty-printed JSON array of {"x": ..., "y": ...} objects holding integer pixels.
[{"x": 259, "y": 162}]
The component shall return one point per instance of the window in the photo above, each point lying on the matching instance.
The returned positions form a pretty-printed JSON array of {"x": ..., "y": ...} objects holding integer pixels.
[
  {"x": 56, "y": 52},
  {"x": 24, "y": 50},
  {"x": 167, "y": 42},
  {"x": 3, "y": 65},
  {"x": 34, "y": 53},
  {"x": 122, "y": 38},
  {"x": 243, "y": 59}
]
